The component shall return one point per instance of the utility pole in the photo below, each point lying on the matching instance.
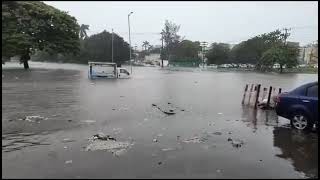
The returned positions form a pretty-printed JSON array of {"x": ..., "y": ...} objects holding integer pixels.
[
  {"x": 112, "y": 47},
  {"x": 203, "y": 45},
  {"x": 135, "y": 52},
  {"x": 286, "y": 35},
  {"x": 129, "y": 40},
  {"x": 161, "y": 50}
]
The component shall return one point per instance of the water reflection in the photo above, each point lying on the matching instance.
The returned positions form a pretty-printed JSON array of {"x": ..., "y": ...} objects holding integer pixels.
[
  {"x": 256, "y": 117},
  {"x": 300, "y": 148}
]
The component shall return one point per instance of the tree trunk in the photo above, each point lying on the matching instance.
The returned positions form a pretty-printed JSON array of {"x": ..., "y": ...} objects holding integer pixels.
[
  {"x": 25, "y": 64},
  {"x": 25, "y": 58}
]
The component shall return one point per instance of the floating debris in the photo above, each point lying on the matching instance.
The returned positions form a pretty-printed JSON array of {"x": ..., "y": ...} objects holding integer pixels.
[
  {"x": 217, "y": 133},
  {"x": 160, "y": 135},
  {"x": 166, "y": 110},
  {"x": 102, "y": 136},
  {"x": 237, "y": 143},
  {"x": 193, "y": 140},
  {"x": 145, "y": 119},
  {"x": 67, "y": 140},
  {"x": 121, "y": 96},
  {"x": 229, "y": 132},
  {"x": 229, "y": 139},
  {"x": 33, "y": 119},
  {"x": 220, "y": 113},
  {"x": 105, "y": 142},
  {"x": 69, "y": 120},
  {"x": 218, "y": 170},
  {"x": 65, "y": 147},
  {"x": 92, "y": 83},
  {"x": 155, "y": 140},
  {"x": 16, "y": 77},
  {"x": 113, "y": 109},
  {"x": 159, "y": 163},
  {"x": 68, "y": 162}
]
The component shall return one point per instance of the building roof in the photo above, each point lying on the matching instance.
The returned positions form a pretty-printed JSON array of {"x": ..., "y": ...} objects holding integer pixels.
[{"x": 101, "y": 63}]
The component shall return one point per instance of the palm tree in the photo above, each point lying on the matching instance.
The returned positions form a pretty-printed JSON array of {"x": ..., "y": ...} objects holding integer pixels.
[
  {"x": 145, "y": 44},
  {"x": 83, "y": 29}
]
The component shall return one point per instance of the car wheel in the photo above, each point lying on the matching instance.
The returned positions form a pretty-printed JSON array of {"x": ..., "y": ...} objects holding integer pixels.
[{"x": 300, "y": 121}]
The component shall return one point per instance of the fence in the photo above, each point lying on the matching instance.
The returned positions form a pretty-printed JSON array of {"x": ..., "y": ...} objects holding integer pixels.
[{"x": 254, "y": 98}]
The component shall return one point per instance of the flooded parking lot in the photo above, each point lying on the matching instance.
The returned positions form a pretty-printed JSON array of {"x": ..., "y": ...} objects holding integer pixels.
[{"x": 56, "y": 123}]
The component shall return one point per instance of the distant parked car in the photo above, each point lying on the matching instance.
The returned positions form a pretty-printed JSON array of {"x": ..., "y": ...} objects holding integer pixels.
[{"x": 300, "y": 106}]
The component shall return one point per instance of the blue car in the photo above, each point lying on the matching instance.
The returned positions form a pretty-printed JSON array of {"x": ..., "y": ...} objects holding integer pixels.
[{"x": 300, "y": 106}]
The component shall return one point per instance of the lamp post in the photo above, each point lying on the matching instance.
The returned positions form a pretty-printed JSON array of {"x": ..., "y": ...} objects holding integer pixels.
[
  {"x": 129, "y": 40},
  {"x": 112, "y": 47}
]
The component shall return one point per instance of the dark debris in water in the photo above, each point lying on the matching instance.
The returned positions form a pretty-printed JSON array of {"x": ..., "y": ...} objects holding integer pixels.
[
  {"x": 104, "y": 137},
  {"x": 165, "y": 110}
]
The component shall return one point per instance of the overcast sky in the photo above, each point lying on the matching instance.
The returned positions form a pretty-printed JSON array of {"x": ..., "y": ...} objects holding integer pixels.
[{"x": 229, "y": 22}]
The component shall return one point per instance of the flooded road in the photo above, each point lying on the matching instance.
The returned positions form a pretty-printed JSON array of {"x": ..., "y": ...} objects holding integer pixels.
[{"x": 51, "y": 116}]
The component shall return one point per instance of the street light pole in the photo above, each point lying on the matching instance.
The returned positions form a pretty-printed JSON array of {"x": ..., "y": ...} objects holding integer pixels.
[
  {"x": 129, "y": 40},
  {"x": 112, "y": 47}
]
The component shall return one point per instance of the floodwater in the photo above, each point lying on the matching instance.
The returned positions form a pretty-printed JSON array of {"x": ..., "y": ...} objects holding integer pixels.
[{"x": 211, "y": 135}]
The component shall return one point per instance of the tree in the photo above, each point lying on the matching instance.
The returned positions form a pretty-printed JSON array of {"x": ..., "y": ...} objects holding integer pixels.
[
  {"x": 251, "y": 50},
  {"x": 218, "y": 53},
  {"x": 185, "y": 49},
  {"x": 170, "y": 37},
  {"x": 31, "y": 26},
  {"x": 96, "y": 47},
  {"x": 283, "y": 55},
  {"x": 145, "y": 45},
  {"x": 83, "y": 29}
]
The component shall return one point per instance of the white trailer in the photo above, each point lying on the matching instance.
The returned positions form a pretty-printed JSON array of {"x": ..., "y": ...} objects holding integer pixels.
[{"x": 106, "y": 70}]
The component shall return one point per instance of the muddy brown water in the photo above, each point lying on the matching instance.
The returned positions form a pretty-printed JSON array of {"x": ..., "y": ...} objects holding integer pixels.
[{"x": 191, "y": 143}]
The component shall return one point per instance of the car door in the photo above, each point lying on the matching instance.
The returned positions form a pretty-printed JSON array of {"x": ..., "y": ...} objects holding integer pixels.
[
  {"x": 123, "y": 73},
  {"x": 310, "y": 100}
]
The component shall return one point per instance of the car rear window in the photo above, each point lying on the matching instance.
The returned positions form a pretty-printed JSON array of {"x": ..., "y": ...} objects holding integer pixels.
[{"x": 312, "y": 91}]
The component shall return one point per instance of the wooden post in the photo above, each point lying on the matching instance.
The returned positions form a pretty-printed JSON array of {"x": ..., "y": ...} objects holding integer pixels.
[
  {"x": 279, "y": 91},
  {"x": 90, "y": 70},
  {"x": 244, "y": 94},
  {"x": 257, "y": 97},
  {"x": 264, "y": 93},
  {"x": 250, "y": 93},
  {"x": 269, "y": 96}
]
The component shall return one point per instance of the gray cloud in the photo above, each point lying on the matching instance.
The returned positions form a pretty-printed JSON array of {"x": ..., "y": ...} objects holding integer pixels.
[{"x": 229, "y": 22}]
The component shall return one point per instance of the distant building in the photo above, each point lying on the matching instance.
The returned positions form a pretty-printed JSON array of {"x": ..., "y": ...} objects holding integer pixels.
[
  {"x": 309, "y": 54},
  {"x": 294, "y": 44},
  {"x": 152, "y": 57}
]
